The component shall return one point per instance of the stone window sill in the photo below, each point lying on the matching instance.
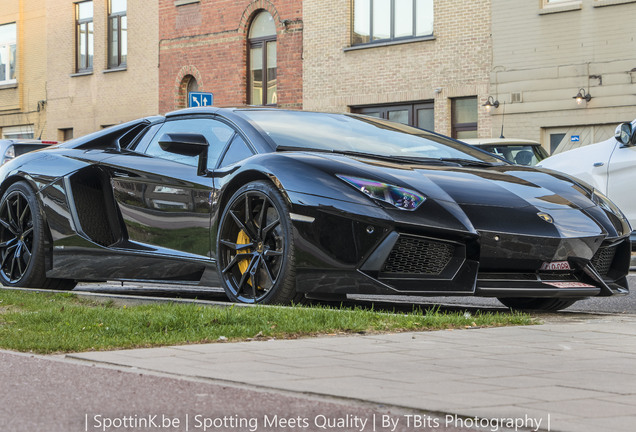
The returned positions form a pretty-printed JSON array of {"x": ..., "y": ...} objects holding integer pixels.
[
  {"x": 388, "y": 43},
  {"x": 185, "y": 2},
  {"x": 83, "y": 73},
  {"x": 117, "y": 69},
  {"x": 601, "y": 3},
  {"x": 8, "y": 85},
  {"x": 567, "y": 7}
]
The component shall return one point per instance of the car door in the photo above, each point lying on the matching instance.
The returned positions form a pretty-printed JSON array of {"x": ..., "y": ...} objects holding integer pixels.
[
  {"x": 164, "y": 202},
  {"x": 621, "y": 173}
]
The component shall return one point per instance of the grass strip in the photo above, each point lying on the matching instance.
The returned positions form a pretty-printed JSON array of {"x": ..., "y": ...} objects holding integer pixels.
[{"x": 52, "y": 323}]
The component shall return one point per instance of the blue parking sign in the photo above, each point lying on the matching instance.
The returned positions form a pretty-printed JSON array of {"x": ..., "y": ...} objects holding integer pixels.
[
  {"x": 199, "y": 99},
  {"x": 575, "y": 138}
]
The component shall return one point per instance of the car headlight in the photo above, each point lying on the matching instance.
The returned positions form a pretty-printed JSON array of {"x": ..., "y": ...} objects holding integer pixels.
[
  {"x": 8, "y": 154},
  {"x": 606, "y": 204},
  {"x": 404, "y": 199}
]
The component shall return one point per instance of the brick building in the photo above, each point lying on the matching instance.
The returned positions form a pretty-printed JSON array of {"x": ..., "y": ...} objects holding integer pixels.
[
  {"x": 546, "y": 52},
  {"x": 241, "y": 51},
  {"x": 422, "y": 62},
  {"x": 22, "y": 69},
  {"x": 101, "y": 62}
]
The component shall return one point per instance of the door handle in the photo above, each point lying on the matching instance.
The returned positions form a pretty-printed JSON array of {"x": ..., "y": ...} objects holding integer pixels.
[{"x": 599, "y": 164}]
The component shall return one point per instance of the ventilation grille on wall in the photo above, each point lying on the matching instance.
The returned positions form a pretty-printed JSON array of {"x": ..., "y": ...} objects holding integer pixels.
[{"x": 516, "y": 97}]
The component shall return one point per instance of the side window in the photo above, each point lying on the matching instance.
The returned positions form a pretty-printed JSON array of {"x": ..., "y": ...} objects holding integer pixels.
[
  {"x": 216, "y": 132},
  {"x": 141, "y": 142},
  {"x": 237, "y": 151}
]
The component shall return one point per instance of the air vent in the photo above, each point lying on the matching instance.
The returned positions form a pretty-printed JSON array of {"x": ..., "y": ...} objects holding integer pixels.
[
  {"x": 516, "y": 97},
  {"x": 414, "y": 255}
]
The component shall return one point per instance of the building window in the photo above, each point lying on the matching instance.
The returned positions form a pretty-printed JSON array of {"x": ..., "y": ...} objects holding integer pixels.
[
  {"x": 464, "y": 117},
  {"x": 18, "y": 132},
  {"x": 382, "y": 20},
  {"x": 64, "y": 134},
  {"x": 84, "y": 36},
  {"x": 117, "y": 34},
  {"x": 7, "y": 53},
  {"x": 420, "y": 115},
  {"x": 261, "y": 61}
]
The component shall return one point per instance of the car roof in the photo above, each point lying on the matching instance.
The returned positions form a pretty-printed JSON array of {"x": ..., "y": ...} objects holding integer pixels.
[{"x": 500, "y": 141}]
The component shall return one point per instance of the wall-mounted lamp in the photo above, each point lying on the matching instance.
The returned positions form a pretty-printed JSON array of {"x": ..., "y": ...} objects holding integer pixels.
[
  {"x": 491, "y": 103},
  {"x": 582, "y": 95}
]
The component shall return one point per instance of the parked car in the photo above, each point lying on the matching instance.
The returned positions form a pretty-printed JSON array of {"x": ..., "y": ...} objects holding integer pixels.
[
  {"x": 608, "y": 167},
  {"x": 516, "y": 151},
  {"x": 11, "y": 148},
  {"x": 277, "y": 205}
]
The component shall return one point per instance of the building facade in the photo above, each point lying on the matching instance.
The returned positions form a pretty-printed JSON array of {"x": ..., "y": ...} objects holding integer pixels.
[
  {"x": 546, "y": 52},
  {"x": 22, "y": 69},
  {"x": 240, "y": 51},
  {"x": 421, "y": 62},
  {"x": 102, "y": 64}
]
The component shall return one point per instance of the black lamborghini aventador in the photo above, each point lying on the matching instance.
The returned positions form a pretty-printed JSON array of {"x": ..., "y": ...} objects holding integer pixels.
[{"x": 276, "y": 206}]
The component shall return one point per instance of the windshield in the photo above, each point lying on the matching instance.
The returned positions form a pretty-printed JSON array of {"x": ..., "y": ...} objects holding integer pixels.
[{"x": 358, "y": 134}]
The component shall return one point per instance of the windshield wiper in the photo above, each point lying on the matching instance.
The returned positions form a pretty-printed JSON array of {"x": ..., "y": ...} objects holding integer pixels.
[
  {"x": 470, "y": 162},
  {"x": 389, "y": 158}
]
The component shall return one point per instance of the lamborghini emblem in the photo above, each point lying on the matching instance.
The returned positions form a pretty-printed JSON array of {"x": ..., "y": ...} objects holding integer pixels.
[{"x": 546, "y": 217}]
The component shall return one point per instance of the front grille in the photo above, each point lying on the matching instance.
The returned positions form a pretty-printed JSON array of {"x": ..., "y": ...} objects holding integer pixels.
[
  {"x": 414, "y": 255},
  {"x": 602, "y": 259}
]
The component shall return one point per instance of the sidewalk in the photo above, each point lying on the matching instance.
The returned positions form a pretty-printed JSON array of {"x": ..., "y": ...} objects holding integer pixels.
[{"x": 577, "y": 372}]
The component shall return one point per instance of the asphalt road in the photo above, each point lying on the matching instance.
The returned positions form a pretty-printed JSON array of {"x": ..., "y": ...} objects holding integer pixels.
[
  {"x": 620, "y": 304},
  {"x": 48, "y": 394}
]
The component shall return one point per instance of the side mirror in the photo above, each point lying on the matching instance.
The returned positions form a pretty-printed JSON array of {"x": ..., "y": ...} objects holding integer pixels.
[
  {"x": 187, "y": 144},
  {"x": 623, "y": 133}
]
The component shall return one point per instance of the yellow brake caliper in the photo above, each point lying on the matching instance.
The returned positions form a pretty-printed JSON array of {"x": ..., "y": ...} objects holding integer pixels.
[{"x": 242, "y": 239}]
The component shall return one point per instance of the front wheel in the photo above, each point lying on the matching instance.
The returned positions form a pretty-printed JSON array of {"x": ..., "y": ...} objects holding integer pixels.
[
  {"x": 542, "y": 304},
  {"x": 22, "y": 241},
  {"x": 255, "y": 246}
]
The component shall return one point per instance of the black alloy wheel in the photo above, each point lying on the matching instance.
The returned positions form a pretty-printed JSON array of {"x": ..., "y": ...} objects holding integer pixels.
[
  {"x": 541, "y": 304},
  {"x": 22, "y": 241},
  {"x": 255, "y": 246},
  {"x": 16, "y": 236}
]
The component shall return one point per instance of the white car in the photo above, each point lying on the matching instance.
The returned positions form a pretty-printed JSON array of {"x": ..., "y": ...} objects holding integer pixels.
[{"x": 608, "y": 166}]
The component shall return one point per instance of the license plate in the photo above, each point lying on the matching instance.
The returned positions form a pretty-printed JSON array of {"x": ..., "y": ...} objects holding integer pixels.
[
  {"x": 569, "y": 284},
  {"x": 556, "y": 265}
]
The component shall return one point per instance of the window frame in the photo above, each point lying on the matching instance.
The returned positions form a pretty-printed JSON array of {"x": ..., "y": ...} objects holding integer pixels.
[
  {"x": 260, "y": 42},
  {"x": 78, "y": 23},
  {"x": 5, "y": 47},
  {"x": 116, "y": 16},
  {"x": 384, "y": 109},
  {"x": 463, "y": 127},
  {"x": 392, "y": 38}
]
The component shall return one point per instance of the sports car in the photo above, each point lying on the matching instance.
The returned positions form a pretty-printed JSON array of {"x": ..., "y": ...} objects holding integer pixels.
[{"x": 276, "y": 206}]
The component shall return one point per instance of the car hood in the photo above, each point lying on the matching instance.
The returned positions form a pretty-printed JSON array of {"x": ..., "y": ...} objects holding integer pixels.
[
  {"x": 503, "y": 198},
  {"x": 495, "y": 186}
]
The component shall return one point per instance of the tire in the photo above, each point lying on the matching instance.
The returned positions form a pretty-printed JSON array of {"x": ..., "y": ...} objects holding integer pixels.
[
  {"x": 542, "y": 304},
  {"x": 255, "y": 247},
  {"x": 22, "y": 241}
]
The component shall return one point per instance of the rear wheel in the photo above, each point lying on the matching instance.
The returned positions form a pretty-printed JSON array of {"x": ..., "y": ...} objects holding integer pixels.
[
  {"x": 22, "y": 241},
  {"x": 544, "y": 304},
  {"x": 255, "y": 247}
]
